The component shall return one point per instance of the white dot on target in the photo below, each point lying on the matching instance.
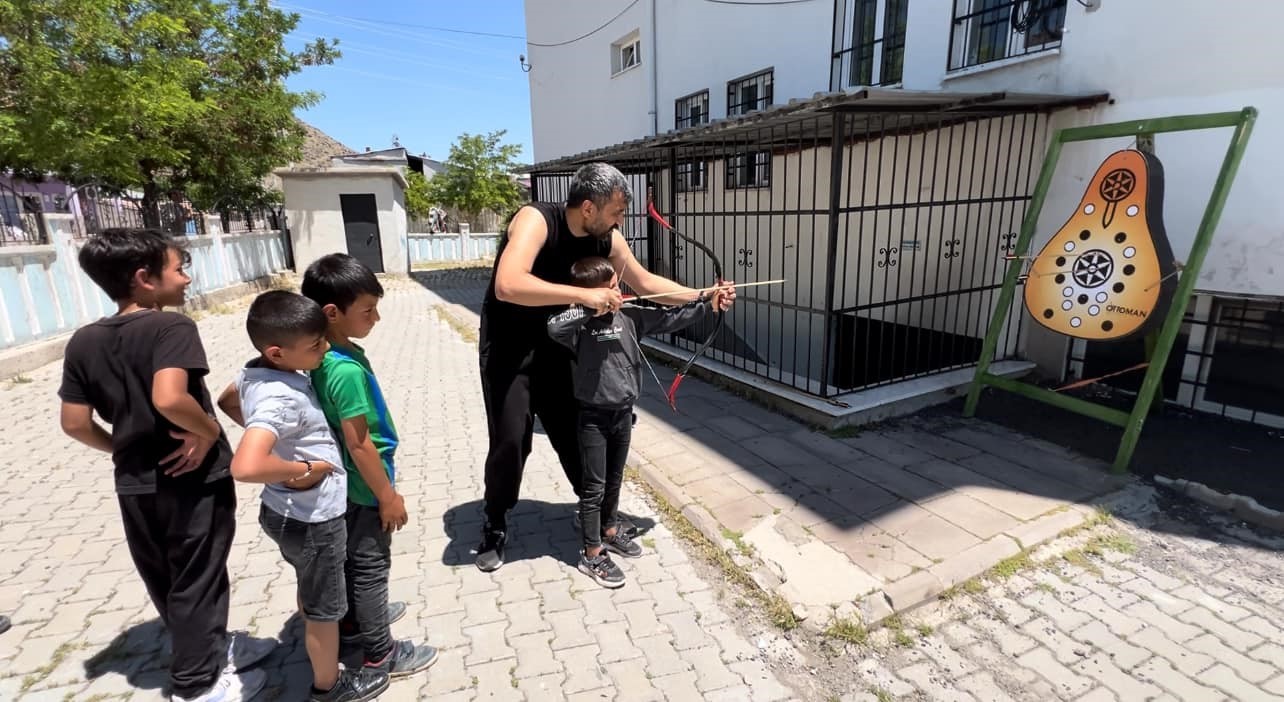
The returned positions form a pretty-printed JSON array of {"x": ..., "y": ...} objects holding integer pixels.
[
  {"x": 1067, "y": 305},
  {"x": 1094, "y": 310},
  {"x": 1130, "y": 252},
  {"x": 1101, "y": 297},
  {"x": 1069, "y": 246},
  {"x": 1075, "y": 322},
  {"x": 1132, "y": 210},
  {"x": 1089, "y": 209},
  {"x": 1067, "y": 291}
]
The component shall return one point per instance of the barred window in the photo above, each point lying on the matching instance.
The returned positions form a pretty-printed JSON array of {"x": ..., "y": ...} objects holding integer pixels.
[{"x": 745, "y": 95}]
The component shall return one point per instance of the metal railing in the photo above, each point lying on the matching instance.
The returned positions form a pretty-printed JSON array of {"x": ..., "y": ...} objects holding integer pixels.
[
  {"x": 889, "y": 227},
  {"x": 20, "y": 220},
  {"x": 984, "y": 31},
  {"x": 1225, "y": 361},
  {"x": 99, "y": 207}
]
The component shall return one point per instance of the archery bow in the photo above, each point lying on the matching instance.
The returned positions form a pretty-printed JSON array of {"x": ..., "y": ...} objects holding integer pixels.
[{"x": 671, "y": 396}]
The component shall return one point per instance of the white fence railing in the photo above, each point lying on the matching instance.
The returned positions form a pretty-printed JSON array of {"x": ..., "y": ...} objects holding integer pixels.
[{"x": 464, "y": 246}]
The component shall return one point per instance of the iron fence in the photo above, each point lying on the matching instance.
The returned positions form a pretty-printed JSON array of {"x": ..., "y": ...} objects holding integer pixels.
[
  {"x": 1225, "y": 360},
  {"x": 890, "y": 227},
  {"x": 991, "y": 30},
  {"x": 20, "y": 220},
  {"x": 97, "y": 207},
  {"x": 255, "y": 219}
]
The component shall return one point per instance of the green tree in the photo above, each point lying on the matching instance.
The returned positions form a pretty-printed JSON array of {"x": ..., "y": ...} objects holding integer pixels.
[
  {"x": 419, "y": 202},
  {"x": 157, "y": 95},
  {"x": 478, "y": 176}
]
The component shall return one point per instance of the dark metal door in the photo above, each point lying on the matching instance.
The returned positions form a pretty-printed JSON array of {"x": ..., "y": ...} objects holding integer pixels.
[{"x": 361, "y": 227}]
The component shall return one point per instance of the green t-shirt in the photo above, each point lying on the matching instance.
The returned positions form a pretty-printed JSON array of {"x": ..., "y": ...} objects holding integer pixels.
[{"x": 346, "y": 387}]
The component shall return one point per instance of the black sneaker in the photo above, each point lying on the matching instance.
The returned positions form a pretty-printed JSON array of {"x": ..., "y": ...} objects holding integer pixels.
[
  {"x": 348, "y": 635},
  {"x": 622, "y": 544},
  {"x": 490, "y": 552},
  {"x": 354, "y": 686},
  {"x": 404, "y": 659},
  {"x": 603, "y": 570}
]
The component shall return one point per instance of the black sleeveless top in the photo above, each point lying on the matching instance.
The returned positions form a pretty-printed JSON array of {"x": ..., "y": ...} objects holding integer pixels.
[{"x": 522, "y": 326}]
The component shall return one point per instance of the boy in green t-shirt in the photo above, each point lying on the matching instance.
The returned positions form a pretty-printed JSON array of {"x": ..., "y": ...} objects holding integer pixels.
[{"x": 349, "y": 395}]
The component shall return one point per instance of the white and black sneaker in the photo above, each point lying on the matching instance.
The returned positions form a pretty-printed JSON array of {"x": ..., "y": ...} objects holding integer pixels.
[
  {"x": 490, "y": 553},
  {"x": 602, "y": 569}
]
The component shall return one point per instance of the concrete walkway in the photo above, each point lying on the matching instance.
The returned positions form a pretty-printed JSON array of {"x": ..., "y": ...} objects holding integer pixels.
[
  {"x": 879, "y": 520},
  {"x": 83, "y": 627}
]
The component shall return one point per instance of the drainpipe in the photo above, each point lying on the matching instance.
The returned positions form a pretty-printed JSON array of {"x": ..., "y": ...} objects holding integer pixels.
[{"x": 655, "y": 81}]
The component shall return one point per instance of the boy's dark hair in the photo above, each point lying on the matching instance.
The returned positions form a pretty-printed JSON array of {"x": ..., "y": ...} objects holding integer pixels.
[
  {"x": 111, "y": 258},
  {"x": 339, "y": 279},
  {"x": 280, "y": 317},
  {"x": 591, "y": 272}
]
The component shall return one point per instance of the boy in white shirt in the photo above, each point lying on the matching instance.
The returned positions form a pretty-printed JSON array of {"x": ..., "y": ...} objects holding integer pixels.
[{"x": 289, "y": 448}]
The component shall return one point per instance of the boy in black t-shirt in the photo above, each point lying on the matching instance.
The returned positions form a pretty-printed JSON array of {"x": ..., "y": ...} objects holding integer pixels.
[{"x": 142, "y": 370}]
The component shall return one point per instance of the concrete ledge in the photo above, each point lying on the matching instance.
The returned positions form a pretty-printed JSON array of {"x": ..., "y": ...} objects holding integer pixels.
[
  {"x": 1045, "y": 528},
  {"x": 1241, "y": 506},
  {"x": 849, "y": 409},
  {"x": 34, "y": 354},
  {"x": 974, "y": 561}
]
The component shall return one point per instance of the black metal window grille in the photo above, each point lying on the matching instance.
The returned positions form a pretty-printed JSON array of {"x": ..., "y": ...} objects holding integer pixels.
[
  {"x": 874, "y": 52},
  {"x": 745, "y": 95},
  {"x": 691, "y": 176},
  {"x": 691, "y": 110},
  {"x": 1226, "y": 360},
  {"x": 890, "y": 228},
  {"x": 991, "y": 30},
  {"x": 752, "y": 170}
]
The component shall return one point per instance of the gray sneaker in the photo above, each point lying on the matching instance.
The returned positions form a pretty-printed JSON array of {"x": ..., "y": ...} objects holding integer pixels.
[
  {"x": 622, "y": 544},
  {"x": 603, "y": 570},
  {"x": 405, "y": 658}
]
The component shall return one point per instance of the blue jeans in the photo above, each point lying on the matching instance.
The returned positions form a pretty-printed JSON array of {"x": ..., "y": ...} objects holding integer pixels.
[{"x": 604, "y": 446}]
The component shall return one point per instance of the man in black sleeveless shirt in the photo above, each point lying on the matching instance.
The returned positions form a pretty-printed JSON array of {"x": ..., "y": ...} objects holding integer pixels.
[{"x": 524, "y": 373}]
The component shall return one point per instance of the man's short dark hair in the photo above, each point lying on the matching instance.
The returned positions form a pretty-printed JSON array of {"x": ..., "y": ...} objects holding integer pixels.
[
  {"x": 592, "y": 272},
  {"x": 111, "y": 258},
  {"x": 339, "y": 279},
  {"x": 597, "y": 183},
  {"x": 281, "y": 317}
]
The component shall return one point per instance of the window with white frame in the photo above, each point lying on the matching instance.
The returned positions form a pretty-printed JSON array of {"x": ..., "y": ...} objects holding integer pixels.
[
  {"x": 751, "y": 170},
  {"x": 748, "y": 94},
  {"x": 626, "y": 53},
  {"x": 691, "y": 110},
  {"x": 991, "y": 30}
]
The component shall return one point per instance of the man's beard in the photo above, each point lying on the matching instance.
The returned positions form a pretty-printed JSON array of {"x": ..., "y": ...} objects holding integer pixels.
[{"x": 600, "y": 235}]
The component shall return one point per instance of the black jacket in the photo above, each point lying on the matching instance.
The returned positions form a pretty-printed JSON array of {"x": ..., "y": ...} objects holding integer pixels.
[{"x": 608, "y": 355}]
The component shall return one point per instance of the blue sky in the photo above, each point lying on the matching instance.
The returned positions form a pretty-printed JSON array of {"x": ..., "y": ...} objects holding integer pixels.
[{"x": 427, "y": 86}]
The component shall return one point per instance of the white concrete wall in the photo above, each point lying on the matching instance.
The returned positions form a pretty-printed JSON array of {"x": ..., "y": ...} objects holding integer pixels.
[
  {"x": 44, "y": 294},
  {"x": 315, "y": 217},
  {"x": 576, "y": 104},
  {"x": 1209, "y": 57},
  {"x": 1151, "y": 58}
]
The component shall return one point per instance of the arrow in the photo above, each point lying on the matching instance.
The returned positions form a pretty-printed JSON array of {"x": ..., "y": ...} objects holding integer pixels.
[{"x": 631, "y": 298}]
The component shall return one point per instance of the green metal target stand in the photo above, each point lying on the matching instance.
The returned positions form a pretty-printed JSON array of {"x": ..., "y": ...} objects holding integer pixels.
[{"x": 1144, "y": 131}]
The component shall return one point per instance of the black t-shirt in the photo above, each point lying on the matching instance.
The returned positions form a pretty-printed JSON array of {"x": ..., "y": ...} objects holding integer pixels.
[
  {"x": 522, "y": 327},
  {"x": 109, "y": 365}
]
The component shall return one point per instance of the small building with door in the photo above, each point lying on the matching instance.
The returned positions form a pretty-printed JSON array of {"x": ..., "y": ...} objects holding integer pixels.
[{"x": 359, "y": 210}]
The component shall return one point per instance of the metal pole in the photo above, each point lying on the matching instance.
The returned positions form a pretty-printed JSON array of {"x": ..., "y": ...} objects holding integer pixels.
[{"x": 838, "y": 139}]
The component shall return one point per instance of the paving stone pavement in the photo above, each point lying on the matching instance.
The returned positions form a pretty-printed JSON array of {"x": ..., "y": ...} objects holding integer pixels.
[
  {"x": 83, "y": 627},
  {"x": 1193, "y": 611},
  {"x": 1170, "y": 602}
]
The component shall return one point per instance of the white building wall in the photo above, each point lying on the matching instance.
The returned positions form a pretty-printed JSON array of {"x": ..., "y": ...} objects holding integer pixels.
[{"x": 1153, "y": 59}]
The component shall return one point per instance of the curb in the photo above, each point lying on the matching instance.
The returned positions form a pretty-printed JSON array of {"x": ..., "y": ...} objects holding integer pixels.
[{"x": 1241, "y": 506}]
